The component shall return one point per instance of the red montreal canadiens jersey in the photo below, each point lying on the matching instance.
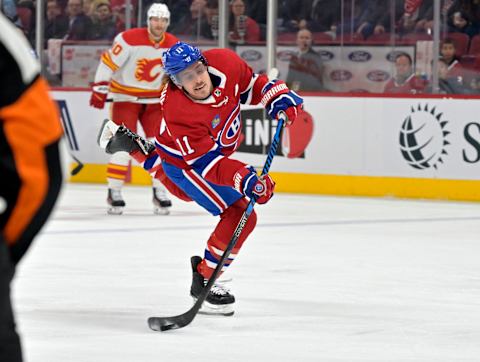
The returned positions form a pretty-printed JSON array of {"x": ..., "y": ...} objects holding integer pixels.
[
  {"x": 412, "y": 85},
  {"x": 199, "y": 133}
]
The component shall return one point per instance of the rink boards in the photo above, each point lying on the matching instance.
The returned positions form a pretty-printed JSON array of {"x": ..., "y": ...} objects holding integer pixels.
[{"x": 365, "y": 146}]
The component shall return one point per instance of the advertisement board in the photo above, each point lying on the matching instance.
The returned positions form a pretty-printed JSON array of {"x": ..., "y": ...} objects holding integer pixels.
[
  {"x": 351, "y": 68},
  {"x": 79, "y": 63},
  {"x": 382, "y": 137}
]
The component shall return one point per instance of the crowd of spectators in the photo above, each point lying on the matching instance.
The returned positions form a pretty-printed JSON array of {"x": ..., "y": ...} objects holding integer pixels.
[
  {"x": 318, "y": 21},
  {"x": 338, "y": 19}
]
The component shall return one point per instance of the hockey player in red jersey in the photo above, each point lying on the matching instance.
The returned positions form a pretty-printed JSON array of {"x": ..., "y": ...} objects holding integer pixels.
[
  {"x": 199, "y": 131},
  {"x": 131, "y": 73}
]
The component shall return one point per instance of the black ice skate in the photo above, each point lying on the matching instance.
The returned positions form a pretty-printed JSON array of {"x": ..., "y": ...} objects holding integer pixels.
[
  {"x": 219, "y": 300},
  {"x": 115, "y": 202},
  {"x": 161, "y": 202}
]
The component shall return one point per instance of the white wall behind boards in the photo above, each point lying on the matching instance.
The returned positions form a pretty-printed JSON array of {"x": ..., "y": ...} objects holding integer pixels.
[{"x": 411, "y": 137}]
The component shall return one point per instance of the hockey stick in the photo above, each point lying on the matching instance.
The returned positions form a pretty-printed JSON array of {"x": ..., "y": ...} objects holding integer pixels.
[
  {"x": 182, "y": 320},
  {"x": 78, "y": 167},
  {"x": 142, "y": 100}
]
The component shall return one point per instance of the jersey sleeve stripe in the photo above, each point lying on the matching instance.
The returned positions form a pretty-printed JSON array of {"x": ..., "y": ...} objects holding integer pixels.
[
  {"x": 193, "y": 160},
  {"x": 171, "y": 151},
  {"x": 119, "y": 88},
  {"x": 107, "y": 60},
  {"x": 246, "y": 95}
]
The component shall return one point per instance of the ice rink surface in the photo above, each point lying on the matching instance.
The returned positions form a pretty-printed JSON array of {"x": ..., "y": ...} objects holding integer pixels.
[{"x": 320, "y": 279}]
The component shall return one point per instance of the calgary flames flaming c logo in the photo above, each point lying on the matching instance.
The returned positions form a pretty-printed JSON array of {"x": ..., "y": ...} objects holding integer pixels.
[{"x": 144, "y": 70}]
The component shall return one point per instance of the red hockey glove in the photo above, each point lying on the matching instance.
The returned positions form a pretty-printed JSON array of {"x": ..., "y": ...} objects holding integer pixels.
[
  {"x": 247, "y": 182},
  {"x": 99, "y": 94},
  {"x": 277, "y": 97}
]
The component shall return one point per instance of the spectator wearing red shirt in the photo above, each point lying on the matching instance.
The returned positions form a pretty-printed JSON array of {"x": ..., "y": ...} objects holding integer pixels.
[
  {"x": 404, "y": 81},
  {"x": 243, "y": 29}
]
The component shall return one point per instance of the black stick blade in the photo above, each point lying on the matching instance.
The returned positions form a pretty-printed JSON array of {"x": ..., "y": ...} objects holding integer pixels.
[
  {"x": 76, "y": 169},
  {"x": 162, "y": 324}
]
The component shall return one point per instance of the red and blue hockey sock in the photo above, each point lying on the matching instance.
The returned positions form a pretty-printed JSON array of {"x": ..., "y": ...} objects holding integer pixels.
[{"x": 221, "y": 236}]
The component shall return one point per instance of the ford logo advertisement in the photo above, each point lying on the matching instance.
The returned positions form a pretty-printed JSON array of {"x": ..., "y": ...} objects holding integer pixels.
[
  {"x": 251, "y": 55},
  {"x": 340, "y": 75},
  {"x": 325, "y": 55},
  {"x": 359, "y": 56},
  {"x": 285, "y": 55},
  {"x": 378, "y": 75},
  {"x": 391, "y": 56}
]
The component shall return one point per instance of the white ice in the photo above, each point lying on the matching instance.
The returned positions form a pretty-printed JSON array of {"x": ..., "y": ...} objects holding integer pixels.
[{"x": 320, "y": 279}]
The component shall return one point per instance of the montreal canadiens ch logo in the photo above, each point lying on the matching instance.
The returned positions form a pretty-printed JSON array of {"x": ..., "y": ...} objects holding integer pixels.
[
  {"x": 259, "y": 188},
  {"x": 423, "y": 138},
  {"x": 231, "y": 130}
]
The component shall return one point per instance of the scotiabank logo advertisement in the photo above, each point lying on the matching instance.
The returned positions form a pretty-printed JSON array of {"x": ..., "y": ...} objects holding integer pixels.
[
  {"x": 424, "y": 137},
  {"x": 430, "y": 140}
]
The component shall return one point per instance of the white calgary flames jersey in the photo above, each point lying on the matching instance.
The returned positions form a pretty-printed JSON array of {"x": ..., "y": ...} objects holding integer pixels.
[{"x": 133, "y": 65}]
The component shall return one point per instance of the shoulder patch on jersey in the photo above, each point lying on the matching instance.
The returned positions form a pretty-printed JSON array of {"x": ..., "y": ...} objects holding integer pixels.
[{"x": 216, "y": 121}]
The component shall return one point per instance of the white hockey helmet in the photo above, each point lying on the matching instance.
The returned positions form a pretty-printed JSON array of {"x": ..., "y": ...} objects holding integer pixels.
[{"x": 158, "y": 11}]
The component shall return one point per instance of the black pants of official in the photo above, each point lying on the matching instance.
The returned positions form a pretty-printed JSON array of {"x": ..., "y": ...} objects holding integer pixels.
[{"x": 10, "y": 350}]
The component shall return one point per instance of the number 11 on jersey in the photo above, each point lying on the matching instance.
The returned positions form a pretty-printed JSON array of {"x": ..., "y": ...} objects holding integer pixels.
[{"x": 189, "y": 149}]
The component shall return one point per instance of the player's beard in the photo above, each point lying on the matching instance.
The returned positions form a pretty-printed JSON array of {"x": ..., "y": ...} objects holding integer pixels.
[{"x": 156, "y": 33}]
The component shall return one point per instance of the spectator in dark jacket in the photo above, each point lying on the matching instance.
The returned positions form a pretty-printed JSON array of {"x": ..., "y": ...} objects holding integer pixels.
[
  {"x": 385, "y": 16},
  {"x": 56, "y": 26},
  {"x": 197, "y": 25},
  {"x": 357, "y": 19},
  {"x": 104, "y": 27},
  {"x": 417, "y": 16},
  {"x": 464, "y": 16},
  {"x": 448, "y": 84},
  {"x": 80, "y": 25},
  {"x": 305, "y": 70},
  {"x": 322, "y": 15}
]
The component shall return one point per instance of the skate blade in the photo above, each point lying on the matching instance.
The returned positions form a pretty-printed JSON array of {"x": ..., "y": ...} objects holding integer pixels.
[
  {"x": 161, "y": 210},
  {"x": 115, "y": 210},
  {"x": 212, "y": 309}
]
